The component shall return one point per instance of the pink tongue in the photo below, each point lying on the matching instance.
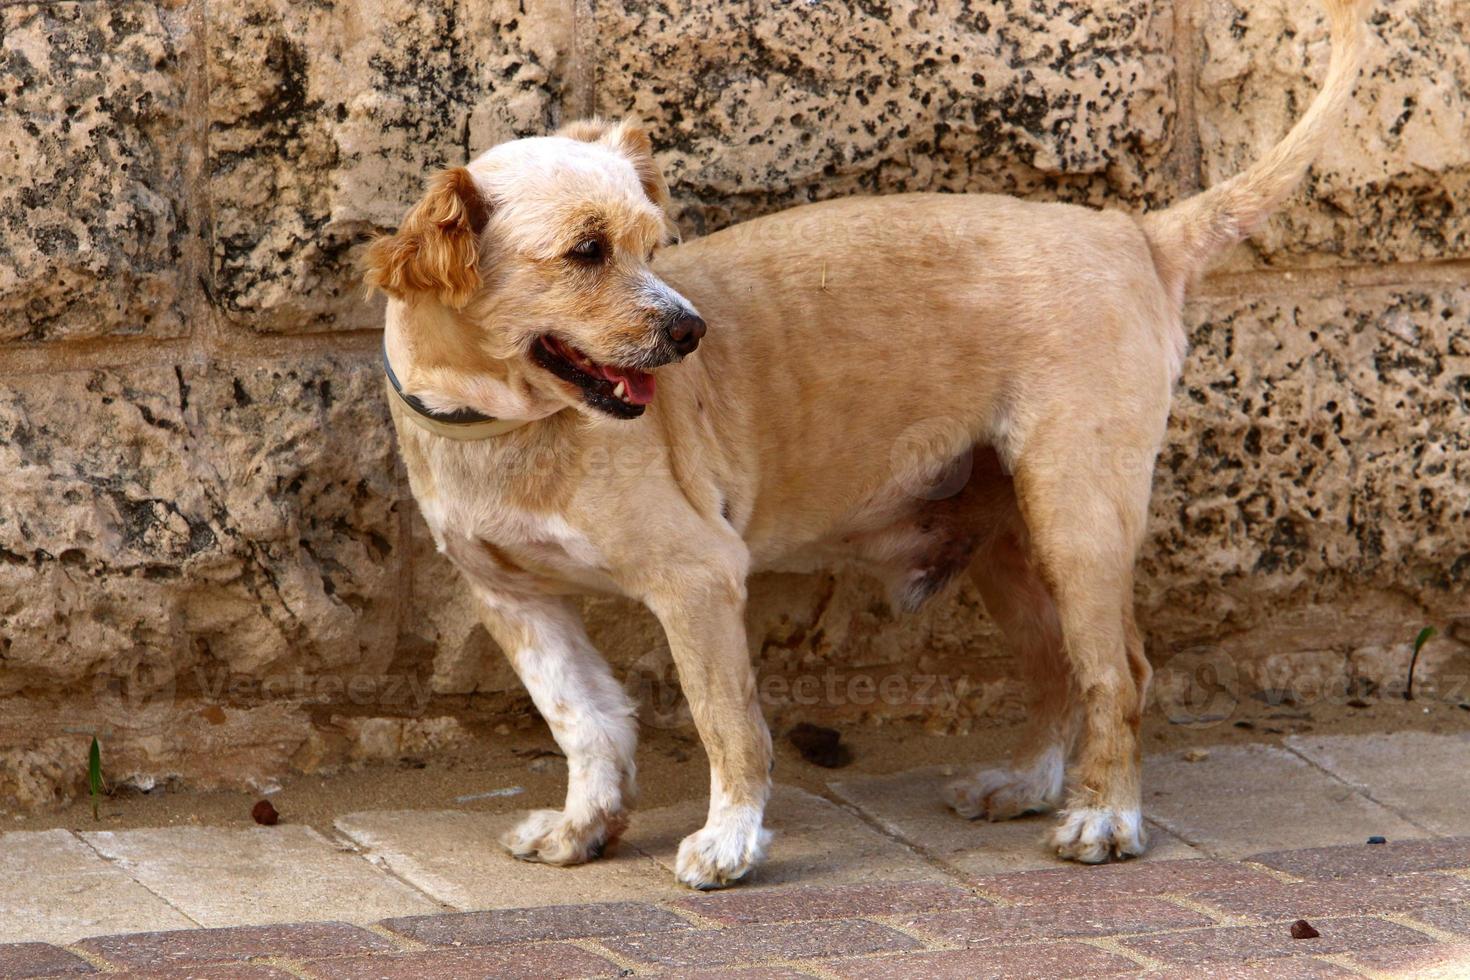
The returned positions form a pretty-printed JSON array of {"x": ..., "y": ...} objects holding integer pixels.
[{"x": 639, "y": 384}]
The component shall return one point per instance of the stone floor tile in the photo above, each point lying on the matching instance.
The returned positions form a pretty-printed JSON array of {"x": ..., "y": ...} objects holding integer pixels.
[
  {"x": 741, "y": 905},
  {"x": 535, "y": 924},
  {"x": 1101, "y": 883},
  {"x": 1239, "y": 943},
  {"x": 546, "y": 961},
  {"x": 188, "y": 947},
  {"x": 1430, "y": 793},
  {"x": 907, "y": 805},
  {"x": 20, "y": 960},
  {"x": 56, "y": 889},
  {"x": 1360, "y": 895},
  {"x": 221, "y": 876},
  {"x": 1441, "y": 961},
  {"x": 815, "y": 842},
  {"x": 997, "y": 926},
  {"x": 1051, "y": 960},
  {"x": 1357, "y": 859},
  {"x": 1247, "y": 798},
  {"x": 456, "y": 857},
  {"x": 758, "y": 943}
]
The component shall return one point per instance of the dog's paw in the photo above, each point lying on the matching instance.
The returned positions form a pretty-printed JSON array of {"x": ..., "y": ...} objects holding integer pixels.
[
  {"x": 1092, "y": 834},
  {"x": 721, "y": 854},
  {"x": 1000, "y": 794},
  {"x": 549, "y": 837}
]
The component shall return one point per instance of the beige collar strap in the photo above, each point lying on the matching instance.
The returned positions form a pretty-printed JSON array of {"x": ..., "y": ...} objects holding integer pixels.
[
  {"x": 465, "y": 424},
  {"x": 465, "y": 431}
]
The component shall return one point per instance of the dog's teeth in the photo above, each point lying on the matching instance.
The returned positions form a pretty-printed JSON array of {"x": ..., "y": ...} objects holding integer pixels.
[{"x": 620, "y": 390}]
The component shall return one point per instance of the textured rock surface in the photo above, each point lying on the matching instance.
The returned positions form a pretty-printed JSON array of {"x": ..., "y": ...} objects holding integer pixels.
[
  {"x": 1318, "y": 452},
  {"x": 325, "y": 119},
  {"x": 207, "y": 549},
  {"x": 1314, "y": 494},
  {"x": 92, "y": 211},
  {"x": 238, "y": 518},
  {"x": 1395, "y": 183},
  {"x": 761, "y": 106}
]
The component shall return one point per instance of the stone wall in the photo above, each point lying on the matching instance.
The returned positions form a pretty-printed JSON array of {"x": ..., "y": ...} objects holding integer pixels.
[{"x": 208, "y": 553}]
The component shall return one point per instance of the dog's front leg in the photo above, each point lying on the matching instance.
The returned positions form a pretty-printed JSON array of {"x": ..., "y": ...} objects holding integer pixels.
[
  {"x": 590, "y": 716},
  {"x": 704, "y": 616}
]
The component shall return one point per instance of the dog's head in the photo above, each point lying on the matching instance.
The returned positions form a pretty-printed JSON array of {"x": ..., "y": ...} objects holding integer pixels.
[{"x": 536, "y": 258}]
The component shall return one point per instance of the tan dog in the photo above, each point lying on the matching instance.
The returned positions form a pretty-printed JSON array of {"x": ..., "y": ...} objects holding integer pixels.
[{"x": 921, "y": 384}]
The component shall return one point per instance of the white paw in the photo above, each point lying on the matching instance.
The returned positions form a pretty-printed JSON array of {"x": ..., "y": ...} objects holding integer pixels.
[
  {"x": 549, "y": 837},
  {"x": 1000, "y": 794},
  {"x": 722, "y": 853},
  {"x": 1092, "y": 834}
]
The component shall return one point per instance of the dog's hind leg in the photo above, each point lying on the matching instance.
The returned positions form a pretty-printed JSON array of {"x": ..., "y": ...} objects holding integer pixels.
[
  {"x": 1085, "y": 503},
  {"x": 590, "y": 716},
  {"x": 1019, "y": 603}
]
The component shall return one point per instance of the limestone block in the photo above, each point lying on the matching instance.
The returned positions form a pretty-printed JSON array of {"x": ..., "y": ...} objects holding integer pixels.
[
  {"x": 1312, "y": 491},
  {"x": 325, "y": 120},
  {"x": 1393, "y": 183},
  {"x": 760, "y": 106},
  {"x": 93, "y": 221},
  {"x": 176, "y": 528}
]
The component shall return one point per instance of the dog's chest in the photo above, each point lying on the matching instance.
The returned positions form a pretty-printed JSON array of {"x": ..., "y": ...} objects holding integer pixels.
[{"x": 508, "y": 550}]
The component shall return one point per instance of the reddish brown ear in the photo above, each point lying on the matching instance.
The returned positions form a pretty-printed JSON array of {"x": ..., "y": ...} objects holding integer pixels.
[
  {"x": 437, "y": 248},
  {"x": 631, "y": 140}
]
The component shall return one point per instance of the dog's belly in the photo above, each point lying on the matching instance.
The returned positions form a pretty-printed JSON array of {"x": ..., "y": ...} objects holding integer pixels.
[{"x": 917, "y": 538}]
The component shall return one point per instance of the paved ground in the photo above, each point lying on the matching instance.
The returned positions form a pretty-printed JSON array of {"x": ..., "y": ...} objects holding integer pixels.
[{"x": 874, "y": 880}]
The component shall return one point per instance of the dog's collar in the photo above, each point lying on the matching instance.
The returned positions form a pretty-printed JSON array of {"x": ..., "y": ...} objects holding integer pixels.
[{"x": 465, "y": 424}]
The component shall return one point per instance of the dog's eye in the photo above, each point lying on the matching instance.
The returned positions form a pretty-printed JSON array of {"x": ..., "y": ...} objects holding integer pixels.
[{"x": 589, "y": 251}]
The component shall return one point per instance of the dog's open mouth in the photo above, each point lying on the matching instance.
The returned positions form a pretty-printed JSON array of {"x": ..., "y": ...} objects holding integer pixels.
[{"x": 622, "y": 392}]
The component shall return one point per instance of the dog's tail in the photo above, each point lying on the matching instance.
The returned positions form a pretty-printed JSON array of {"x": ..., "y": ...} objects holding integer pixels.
[{"x": 1188, "y": 235}]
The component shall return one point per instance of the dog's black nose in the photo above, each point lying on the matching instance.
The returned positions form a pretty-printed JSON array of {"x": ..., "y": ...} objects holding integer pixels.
[{"x": 684, "y": 332}]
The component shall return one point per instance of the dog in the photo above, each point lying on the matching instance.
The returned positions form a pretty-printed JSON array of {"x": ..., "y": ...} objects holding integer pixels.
[{"x": 921, "y": 385}]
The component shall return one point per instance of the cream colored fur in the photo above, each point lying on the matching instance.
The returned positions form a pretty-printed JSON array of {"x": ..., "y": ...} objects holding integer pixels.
[{"x": 1021, "y": 354}]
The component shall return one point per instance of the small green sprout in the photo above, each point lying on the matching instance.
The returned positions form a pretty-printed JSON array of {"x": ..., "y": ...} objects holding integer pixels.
[
  {"x": 94, "y": 776},
  {"x": 1425, "y": 635}
]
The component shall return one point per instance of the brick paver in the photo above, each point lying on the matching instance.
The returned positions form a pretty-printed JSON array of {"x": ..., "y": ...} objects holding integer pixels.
[
  {"x": 214, "y": 971},
  {"x": 158, "y": 950},
  {"x": 545, "y": 922},
  {"x": 1239, "y": 943},
  {"x": 1075, "y": 883},
  {"x": 797, "y": 904},
  {"x": 998, "y": 962},
  {"x": 1359, "y": 895},
  {"x": 1441, "y": 960},
  {"x": 753, "y": 944},
  {"x": 549, "y": 961},
  {"x": 734, "y": 973},
  {"x": 1394, "y": 857},
  {"x": 973, "y": 927},
  {"x": 1293, "y": 968},
  {"x": 1453, "y": 918},
  {"x": 39, "y": 960}
]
